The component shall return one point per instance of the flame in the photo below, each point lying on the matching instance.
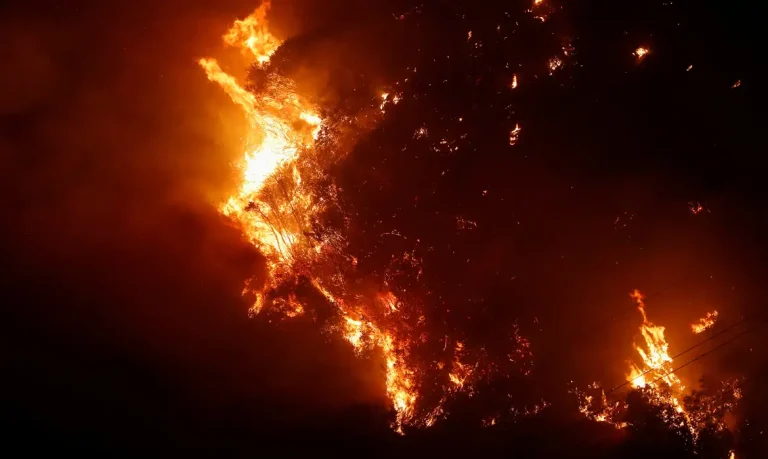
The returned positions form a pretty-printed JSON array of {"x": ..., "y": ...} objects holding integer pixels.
[
  {"x": 252, "y": 34},
  {"x": 284, "y": 125},
  {"x": 705, "y": 323},
  {"x": 277, "y": 205},
  {"x": 655, "y": 354},
  {"x": 641, "y": 52},
  {"x": 655, "y": 377},
  {"x": 513, "y": 85}
]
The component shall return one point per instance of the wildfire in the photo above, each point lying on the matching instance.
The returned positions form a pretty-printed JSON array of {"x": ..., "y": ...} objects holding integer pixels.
[
  {"x": 705, "y": 323},
  {"x": 277, "y": 205},
  {"x": 656, "y": 379}
]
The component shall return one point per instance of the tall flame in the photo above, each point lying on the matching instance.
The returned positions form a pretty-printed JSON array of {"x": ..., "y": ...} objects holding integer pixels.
[
  {"x": 278, "y": 204},
  {"x": 655, "y": 355},
  {"x": 276, "y": 207},
  {"x": 656, "y": 378}
]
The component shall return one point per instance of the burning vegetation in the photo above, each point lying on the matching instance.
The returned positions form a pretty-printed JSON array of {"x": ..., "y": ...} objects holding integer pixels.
[
  {"x": 280, "y": 204},
  {"x": 694, "y": 414},
  {"x": 288, "y": 206}
]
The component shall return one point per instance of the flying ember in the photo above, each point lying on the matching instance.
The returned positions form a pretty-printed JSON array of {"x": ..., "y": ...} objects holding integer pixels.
[
  {"x": 641, "y": 52},
  {"x": 705, "y": 323}
]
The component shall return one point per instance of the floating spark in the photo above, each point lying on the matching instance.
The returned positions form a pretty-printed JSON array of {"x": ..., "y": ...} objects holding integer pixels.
[
  {"x": 513, "y": 85},
  {"x": 695, "y": 207},
  {"x": 555, "y": 64},
  {"x": 641, "y": 52},
  {"x": 705, "y": 323},
  {"x": 514, "y": 134},
  {"x": 736, "y": 85}
]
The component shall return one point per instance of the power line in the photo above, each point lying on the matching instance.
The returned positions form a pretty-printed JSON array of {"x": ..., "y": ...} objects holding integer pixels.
[
  {"x": 730, "y": 327},
  {"x": 610, "y": 321},
  {"x": 705, "y": 353}
]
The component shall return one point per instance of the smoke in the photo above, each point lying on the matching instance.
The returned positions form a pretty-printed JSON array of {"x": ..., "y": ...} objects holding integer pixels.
[{"x": 120, "y": 275}]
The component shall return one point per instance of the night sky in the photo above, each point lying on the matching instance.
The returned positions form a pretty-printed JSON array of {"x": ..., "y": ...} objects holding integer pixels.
[{"x": 126, "y": 329}]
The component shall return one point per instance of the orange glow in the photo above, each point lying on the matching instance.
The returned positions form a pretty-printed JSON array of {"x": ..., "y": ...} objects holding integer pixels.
[
  {"x": 641, "y": 52},
  {"x": 277, "y": 205},
  {"x": 513, "y": 85},
  {"x": 514, "y": 134},
  {"x": 555, "y": 64},
  {"x": 695, "y": 207},
  {"x": 705, "y": 323},
  {"x": 655, "y": 354},
  {"x": 252, "y": 34}
]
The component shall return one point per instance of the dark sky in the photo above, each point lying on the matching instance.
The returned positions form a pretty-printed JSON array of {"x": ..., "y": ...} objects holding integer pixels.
[{"x": 122, "y": 283}]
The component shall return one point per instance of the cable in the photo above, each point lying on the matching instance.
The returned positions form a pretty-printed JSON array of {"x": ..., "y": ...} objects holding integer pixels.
[
  {"x": 705, "y": 353},
  {"x": 730, "y": 327},
  {"x": 607, "y": 323}
]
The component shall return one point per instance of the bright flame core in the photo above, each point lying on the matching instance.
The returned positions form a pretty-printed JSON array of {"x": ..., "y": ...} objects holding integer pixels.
[{"x": 277, "y": 205}]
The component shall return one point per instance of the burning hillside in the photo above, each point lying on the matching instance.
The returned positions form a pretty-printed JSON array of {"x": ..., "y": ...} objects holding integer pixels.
[
  {"x": 288, "y": 206},
  {"x": 280, "y": 205}
]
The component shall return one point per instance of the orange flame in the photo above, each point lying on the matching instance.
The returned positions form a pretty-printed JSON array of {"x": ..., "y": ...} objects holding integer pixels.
[
  {"x": 276, "y": 206},
  {"x": 252, "y": 34},
  {"x": 655, "y": 355},
  {"x": 705, "y": 323},
  {"x": 641, "y": 52}
]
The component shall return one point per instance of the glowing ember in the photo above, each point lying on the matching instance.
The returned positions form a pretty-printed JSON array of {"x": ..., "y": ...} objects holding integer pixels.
[
  {"x": 555, "y": 64},
  {"x": 736, "y": 85},
  {"x": 513, "y": 85},
  {"x": 641, "y": 52},
  {"x": 514, "y": 134},
  {"x": 705, "y": 323},
  {"x": 695, "y": 207}
]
